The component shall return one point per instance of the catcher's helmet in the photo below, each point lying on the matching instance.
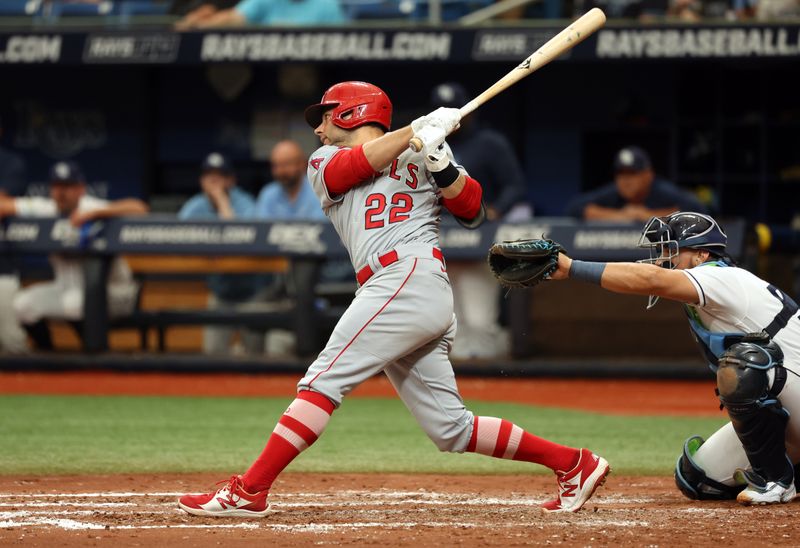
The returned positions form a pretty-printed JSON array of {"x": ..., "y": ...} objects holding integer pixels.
[
  {"x": 363, "y": 102},
  {"x": 664, "y": 237},
  {"x": 683, "y": 230}
]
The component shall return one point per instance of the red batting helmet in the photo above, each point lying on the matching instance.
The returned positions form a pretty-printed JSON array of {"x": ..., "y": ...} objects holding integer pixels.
[{"x": 364, "y": 103}]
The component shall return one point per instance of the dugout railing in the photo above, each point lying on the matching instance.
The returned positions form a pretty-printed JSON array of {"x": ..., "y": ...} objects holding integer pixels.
[{"x": 299, "y": 248}]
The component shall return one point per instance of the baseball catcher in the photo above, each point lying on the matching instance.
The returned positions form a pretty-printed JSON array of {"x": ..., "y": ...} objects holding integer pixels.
[{"x": 747, "y": 329}]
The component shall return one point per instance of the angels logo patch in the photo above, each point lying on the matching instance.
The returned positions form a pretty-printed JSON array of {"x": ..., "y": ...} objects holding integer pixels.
[{"x": 315, "y": 162}]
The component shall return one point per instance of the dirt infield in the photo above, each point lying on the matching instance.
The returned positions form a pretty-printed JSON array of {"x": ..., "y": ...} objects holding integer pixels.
[
  {"x": 385, "y": 510},
  {"x": 394, "y": 510}
]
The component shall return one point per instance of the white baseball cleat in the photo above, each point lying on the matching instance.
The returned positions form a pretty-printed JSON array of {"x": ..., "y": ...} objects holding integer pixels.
[
  {"x": 579, "y": 484},
  {"x": 760, "y": 491},
  {"x": 231, "y": 501}
]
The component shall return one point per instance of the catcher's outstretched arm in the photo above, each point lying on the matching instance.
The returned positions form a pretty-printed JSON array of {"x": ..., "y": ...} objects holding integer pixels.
[{"x": 637, "y": 279}]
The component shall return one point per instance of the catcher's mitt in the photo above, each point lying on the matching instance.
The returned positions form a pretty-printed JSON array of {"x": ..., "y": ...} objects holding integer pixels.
[{"x": 523, "y": 263}]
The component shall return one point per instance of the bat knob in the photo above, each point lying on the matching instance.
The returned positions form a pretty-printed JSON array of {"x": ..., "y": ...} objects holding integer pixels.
[{"x": 415, "y": 144}]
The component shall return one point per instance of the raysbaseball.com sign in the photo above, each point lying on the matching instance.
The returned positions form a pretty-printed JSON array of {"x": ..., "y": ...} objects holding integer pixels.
[{"x": 708, "y": 42}]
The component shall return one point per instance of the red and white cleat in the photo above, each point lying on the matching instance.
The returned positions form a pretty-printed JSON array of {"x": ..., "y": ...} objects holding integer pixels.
[
  {"x": 231, "y": 501},
  {"x": 579, "y": 484}
]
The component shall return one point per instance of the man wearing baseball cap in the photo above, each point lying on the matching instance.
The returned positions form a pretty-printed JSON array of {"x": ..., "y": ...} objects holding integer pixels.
[
  {"x": 636, "y": 194},
  {"x": 62, "y": 298},
  {"x": 222, "y": 199}
]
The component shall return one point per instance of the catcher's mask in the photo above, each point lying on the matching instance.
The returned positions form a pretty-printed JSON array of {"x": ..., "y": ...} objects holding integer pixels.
[{"x": 664, "y": 237}]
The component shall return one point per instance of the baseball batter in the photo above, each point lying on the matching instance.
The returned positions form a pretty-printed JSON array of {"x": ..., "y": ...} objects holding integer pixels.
[
  {"x": 385, "y": 202},
  {"x": 750, "y": 332}
]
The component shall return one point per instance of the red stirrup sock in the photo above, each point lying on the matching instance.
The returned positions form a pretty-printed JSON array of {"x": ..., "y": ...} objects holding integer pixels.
[
  {"x": 505, "y": 440},
  {"x": 298, "y": 428}
]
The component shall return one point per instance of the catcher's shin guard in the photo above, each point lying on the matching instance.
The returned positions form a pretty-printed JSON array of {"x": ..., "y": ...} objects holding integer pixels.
[
  {"x": 756, "y": 414},
  {"x": 692, "y": 480}
]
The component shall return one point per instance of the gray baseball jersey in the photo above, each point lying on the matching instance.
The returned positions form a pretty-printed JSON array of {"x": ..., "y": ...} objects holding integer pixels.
[
  {"x": 733, "y": 300},
  {"x": 401, "y": 320},
  {"x": 397, "y": 206}
]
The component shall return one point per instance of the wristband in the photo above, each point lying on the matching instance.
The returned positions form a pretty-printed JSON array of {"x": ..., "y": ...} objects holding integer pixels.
[
  {"x": 446, "y": 177},
  {"x": 587, "y": 271}
]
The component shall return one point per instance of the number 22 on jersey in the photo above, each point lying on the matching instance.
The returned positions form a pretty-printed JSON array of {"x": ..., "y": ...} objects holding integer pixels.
[{"x": 399, "y": 205}]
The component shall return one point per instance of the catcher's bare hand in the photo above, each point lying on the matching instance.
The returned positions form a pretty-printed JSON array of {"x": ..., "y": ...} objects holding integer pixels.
[{"x": 562, "y": 271}]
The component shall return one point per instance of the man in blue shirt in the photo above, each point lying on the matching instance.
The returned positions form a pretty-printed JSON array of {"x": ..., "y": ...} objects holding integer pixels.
[
  {"x": 290, "y": 195},
  {"x": 222, "y": 199},
  {"x": 635, "y": 195},
  {"x": 271, "y": 12}
]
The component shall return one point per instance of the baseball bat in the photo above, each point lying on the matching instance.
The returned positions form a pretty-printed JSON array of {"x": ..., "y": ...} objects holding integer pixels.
[{"x": 564, "y": 41}]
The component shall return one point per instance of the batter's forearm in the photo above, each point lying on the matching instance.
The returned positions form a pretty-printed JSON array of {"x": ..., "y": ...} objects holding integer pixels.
[{"x": 384, "y": 150}]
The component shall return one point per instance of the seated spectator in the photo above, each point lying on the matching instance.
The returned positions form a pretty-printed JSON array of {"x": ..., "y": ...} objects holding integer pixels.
[
  {"x": 12, "y": 183},
  {"x": 222, "y": 199},
  {"x": 635, "y": 195},
  {"x": 193, "y": 12},
  {"x": 290, "y": 195},
  {"x": 63, "y": 297},
  {"x": 272, "y": 12}
]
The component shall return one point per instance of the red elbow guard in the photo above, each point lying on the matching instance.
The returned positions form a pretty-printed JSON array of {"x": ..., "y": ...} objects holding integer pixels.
[
  {"x": 346, "y": 169},
  {"x": 467, "y": 204}
]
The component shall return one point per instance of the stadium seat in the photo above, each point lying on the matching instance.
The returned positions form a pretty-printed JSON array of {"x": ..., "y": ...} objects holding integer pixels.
[{"x": 10, "y": 8}]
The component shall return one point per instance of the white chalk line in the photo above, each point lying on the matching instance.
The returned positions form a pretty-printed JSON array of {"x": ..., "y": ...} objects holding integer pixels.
[
  {"x": 70, "y": 524},
  {"x": 55, "y": 510},
  {"x": 405, "y": 497}
]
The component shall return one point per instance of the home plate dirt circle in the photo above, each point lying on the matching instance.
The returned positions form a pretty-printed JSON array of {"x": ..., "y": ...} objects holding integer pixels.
[{"x": 386, "y": 510}]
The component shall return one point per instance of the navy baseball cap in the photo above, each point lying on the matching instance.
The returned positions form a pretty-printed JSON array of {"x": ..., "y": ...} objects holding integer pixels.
[
  {"x": 449, "y": 94},
  {"x": 218, "y": 162},
  {"x": 66, "y": 172},
  {"x": 632, "y": 158}
]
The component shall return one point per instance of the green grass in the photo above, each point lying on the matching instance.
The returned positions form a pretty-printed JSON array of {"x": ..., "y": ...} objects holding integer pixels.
[{"x": 81, "y": 434}]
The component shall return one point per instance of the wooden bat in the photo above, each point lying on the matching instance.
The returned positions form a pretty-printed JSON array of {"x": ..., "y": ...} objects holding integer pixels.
[{"x": 558, "y": 44}]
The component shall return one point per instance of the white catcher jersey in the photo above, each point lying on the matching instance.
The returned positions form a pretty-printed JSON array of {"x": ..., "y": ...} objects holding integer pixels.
[
  {"x": 399, "y": 205},
  {"x": 735, "y": 300}
]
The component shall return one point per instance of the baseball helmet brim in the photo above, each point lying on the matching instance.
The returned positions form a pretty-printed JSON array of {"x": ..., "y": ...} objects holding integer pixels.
[{"x": 314, "y": 113}]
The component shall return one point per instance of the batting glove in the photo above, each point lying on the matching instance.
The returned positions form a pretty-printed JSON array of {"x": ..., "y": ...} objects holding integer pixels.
[
  {"x": 436, "y": 159},
  {"x": 446, "y": 118},
  {"x": 431, "y": 136},
  {"x": 419, "y": 123}
]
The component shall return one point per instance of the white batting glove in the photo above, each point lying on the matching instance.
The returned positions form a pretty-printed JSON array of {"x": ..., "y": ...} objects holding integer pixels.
[
  {"x": 436, "y": 159},
  {"x": 419, "y": 123},
  {"x": 431, "y": 136},
  {"x": 446, "y": 118}
]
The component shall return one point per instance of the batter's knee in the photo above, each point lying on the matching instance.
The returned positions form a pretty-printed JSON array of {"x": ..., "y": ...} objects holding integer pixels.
[{"x": 453, "y": 436}]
